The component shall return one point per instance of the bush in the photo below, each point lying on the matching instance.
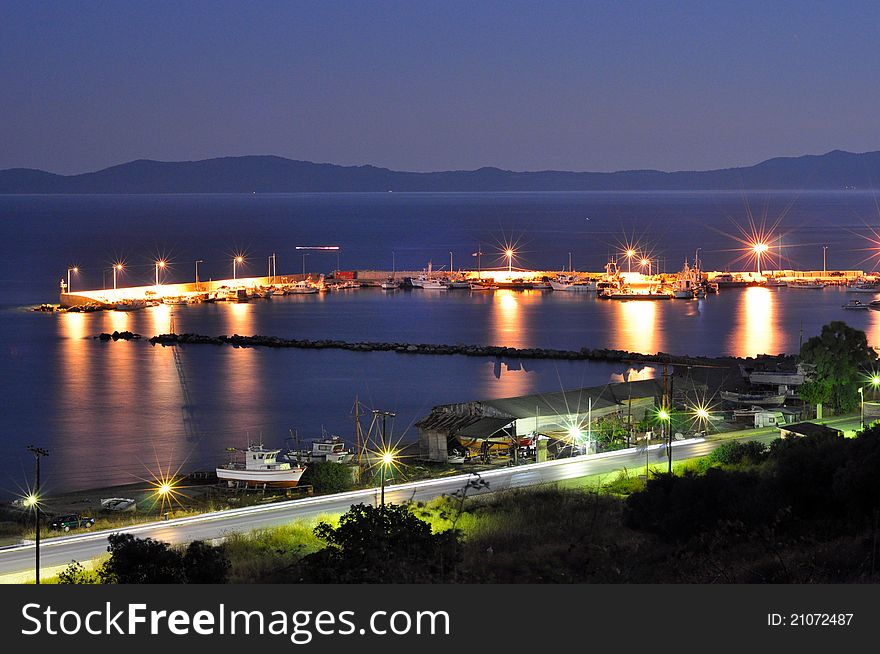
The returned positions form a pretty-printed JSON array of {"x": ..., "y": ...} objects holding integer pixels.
[
  {"x": 147, "y": 561},
  {"x": 329, "y": 477},
  {"x": 735, "y": 453},
  {"x": 381, "y": 545}
]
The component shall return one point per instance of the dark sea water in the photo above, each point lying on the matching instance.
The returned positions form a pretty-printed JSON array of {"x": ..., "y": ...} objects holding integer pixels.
[{"x": 115, "y": 412}]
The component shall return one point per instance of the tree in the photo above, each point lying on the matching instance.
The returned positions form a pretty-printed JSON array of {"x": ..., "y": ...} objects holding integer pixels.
[
  {"x": 840, "y": 354},
  {"x": 385, "y": 544},
  {"x": 205, "y": 564}
]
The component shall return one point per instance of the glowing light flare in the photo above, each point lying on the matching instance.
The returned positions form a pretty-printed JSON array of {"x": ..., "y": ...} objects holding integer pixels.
[
  {"x": 30, "y": 501},
  {"x": 662, "y": 415},
  {"x": 760, "y": 248}
]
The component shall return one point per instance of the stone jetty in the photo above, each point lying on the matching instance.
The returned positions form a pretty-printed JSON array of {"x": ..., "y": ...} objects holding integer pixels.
[{"x": 588, "y": 354}]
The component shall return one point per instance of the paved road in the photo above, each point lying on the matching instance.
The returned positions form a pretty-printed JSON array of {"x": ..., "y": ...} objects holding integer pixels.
[{"x": 83, "y": 547}]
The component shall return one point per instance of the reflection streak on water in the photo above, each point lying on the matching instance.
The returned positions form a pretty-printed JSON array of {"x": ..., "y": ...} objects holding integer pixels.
[
  {"x": 636, "y": 325},
  {"x": 755, "y": 332}
]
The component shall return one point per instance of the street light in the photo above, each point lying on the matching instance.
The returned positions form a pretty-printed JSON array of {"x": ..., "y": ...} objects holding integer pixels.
[
  {"x": 238, "y": 260},
  {"x": 33, "y": 500},
  {"x": 160, "y": 263},
  {"x": 198, "y": 261},
  {"x": 509, "y": 254},
  {"x": 630, "y": 253},
  {"x": 665, "y": 419},
  {"x": 116, "y": 267},
  {"x": 874, "y": 382},
  {"x": 75, "y": 270},
  {"x": 305, "y": 254},
  {"x": 759, "y": 249},
  {"x": 646, "y": 262},
  {"x": 388, "y": 458}
]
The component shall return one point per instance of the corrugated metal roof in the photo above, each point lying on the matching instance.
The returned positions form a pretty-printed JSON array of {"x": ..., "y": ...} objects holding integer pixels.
[
  {"x": 576, "y": 401},
  {"x": 483, "y": 428}
]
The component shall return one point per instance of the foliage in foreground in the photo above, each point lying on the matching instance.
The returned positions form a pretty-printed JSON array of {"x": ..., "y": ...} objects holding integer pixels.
[
  {"x": 384, "y": 544},
  {"x": 147, "y": 561}
]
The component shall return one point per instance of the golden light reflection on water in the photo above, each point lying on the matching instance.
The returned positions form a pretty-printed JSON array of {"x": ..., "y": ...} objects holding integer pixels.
[
  {"x": 505, "y": 322},
  {"x": 160, "y": 319},
  {"x": 241, "y": 318},
  {"x": 755, "y": 331},
  {"x": 635, "y": 324}
]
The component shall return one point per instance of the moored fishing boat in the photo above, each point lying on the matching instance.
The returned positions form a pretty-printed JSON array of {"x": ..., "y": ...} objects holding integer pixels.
[
  {"x": 855, "y": 305},
  {"x": 572, "y": 284}
]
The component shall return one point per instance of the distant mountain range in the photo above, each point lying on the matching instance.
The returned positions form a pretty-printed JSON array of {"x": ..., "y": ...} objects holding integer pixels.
[{"x": 270, "y": 174}]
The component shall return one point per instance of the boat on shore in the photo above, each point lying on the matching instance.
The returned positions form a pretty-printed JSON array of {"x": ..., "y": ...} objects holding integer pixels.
[
  {"x": 332, "y": 449},
  {"x": 753, "y": 399},
  {"x": 260, "y": 468}
]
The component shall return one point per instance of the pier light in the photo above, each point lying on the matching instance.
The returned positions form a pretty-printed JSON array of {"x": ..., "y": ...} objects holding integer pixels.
[
  {"x": 509, "y": 254},
  {"x": 759, "y": 249},
  {"x": 630, "y": 253},
  {"x": 160, "y": 265},
  {"x": 117, "y": 267},
  {"x": 75, "y": 271},
  {"x": 236, "y": 261},
  {"x": 646, "y": 263}
]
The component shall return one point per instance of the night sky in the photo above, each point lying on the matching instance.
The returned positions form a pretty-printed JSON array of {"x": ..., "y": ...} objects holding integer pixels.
[{"x": 422, "y": 85}]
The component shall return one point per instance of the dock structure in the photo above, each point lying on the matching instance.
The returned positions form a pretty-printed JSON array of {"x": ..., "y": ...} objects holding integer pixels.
[
  {"x": 157, "y": 292},
  {"x": 555, "y": 414}
]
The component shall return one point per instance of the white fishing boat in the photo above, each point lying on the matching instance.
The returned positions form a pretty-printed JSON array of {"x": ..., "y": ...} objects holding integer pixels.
[
  {"x": 686, "y": 283},
  {"x": 629, "y": 294},
  {"x": 433, "y": 285},
  {"x": 863, "y": 287},
  {"x": 459, "y": 283},
  {"x": 806, "y": 284},
  {"x": 278, "y": 292},
  {"x": 541, "y": 286},
  {"x": 130, "y": 305},
  {"x": 855, "y": 305},
  {"x": 775, "y": 283},
  {"x": 477, "y": 286},
  {"x": 390, "y": 284},
  {"x": 302, "y": 288},
  {"x": 572, "y": 284},
  {"x": 332, "y": 449},
  {"x": 260, "y": 468}
]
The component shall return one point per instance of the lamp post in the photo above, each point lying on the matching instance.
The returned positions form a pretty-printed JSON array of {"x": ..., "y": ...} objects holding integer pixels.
[
  {"x": 75, "y": 269},
  {"x": 824, "y": 267},
  {"x": 235, "y": 262},
  {"x": 34, "y": 500},
  {"x": 198, "y": 261},
  {"x": 630, "y": 253},
  {"x": 759, "y": 249},
  {"x": 664, "y": 418},
  {"x": 387, "y": 460},
  {"x": 509, "y": 254},
  {"x": 305, "y": 254},
  {"x": 646, "y": 262},
  {"x": 874, "y": 382},
  {"x": 160, "y": 264},
  {"x": 116, "y": 267}
]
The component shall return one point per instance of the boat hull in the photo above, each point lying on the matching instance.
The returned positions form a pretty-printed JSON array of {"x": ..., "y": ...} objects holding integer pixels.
[{"x": 271, "y": 478}]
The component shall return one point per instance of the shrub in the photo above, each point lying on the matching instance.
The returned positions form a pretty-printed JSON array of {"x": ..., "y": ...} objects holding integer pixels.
[{"x": 329, "y": 477}]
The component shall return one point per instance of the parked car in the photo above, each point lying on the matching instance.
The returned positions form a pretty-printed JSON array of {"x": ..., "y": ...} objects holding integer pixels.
[{"x": 71, "y": 521}]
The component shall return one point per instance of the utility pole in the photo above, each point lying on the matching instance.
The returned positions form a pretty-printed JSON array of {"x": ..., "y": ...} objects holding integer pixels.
[{"x": 38, "y": 453}]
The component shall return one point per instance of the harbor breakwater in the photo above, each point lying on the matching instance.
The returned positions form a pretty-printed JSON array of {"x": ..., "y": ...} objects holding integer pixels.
[{"x": 585, "y": 354}]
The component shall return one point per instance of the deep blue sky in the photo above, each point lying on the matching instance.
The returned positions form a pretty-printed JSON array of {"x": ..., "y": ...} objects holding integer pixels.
[{"x": 425, "y": 86}]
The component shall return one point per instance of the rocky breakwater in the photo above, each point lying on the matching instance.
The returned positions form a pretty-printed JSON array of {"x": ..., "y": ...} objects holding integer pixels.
[{"x": 590, "y": 354}]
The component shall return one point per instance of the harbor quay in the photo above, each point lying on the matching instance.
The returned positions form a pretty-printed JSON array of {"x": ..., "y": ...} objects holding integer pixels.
[{"x": 513, "y": 278}]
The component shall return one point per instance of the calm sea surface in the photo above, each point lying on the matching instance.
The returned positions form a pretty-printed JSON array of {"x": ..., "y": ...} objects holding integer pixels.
[{"x": 115, "y": 412}]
